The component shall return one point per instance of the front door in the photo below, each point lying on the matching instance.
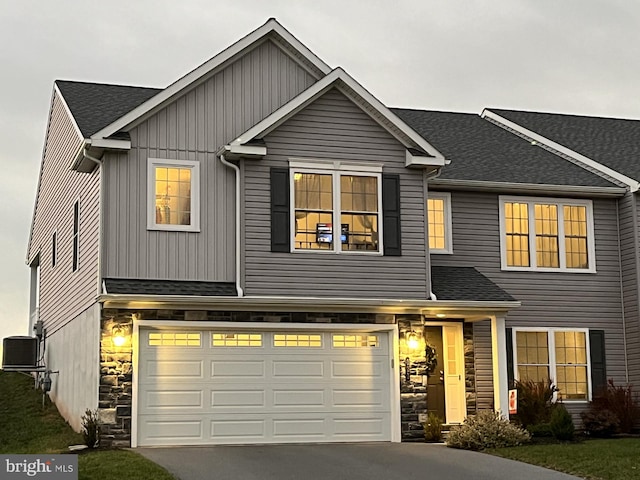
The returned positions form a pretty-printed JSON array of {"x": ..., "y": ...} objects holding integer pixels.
[
  {"x": 454, "y": 381},
  {"x": 435, "y": 380}
]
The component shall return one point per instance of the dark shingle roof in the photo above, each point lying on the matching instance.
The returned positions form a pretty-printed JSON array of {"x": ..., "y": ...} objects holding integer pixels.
[
  {"x": 132, "y": 286},
  {"x": 614, "y": 142},
  {"x": 96, "y": 105},
  {"x": 482, "y": 151},
  {"x": 465, "y": 283}
]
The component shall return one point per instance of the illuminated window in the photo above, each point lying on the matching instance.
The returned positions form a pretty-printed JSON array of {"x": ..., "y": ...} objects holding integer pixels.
[
  {"x": 237, "y": 339},
  {"x": 296, "y": 340},
  {"x": 173, "y": 195},
  {"x": 559, "y": 355},
  {"x": 439, "y": 219},
  {"x": 547, "y": 235},
  {"x": 355, "y": 341},
  {"x": 336, "y": 209},
  {"x": 178, "y": 339}
]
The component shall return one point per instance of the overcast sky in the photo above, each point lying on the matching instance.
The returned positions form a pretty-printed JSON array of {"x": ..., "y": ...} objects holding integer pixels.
[{"x": 569, "y": 56}]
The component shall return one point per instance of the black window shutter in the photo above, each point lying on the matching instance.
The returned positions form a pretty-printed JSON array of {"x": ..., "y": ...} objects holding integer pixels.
[
  {"x": 598, "y": 362},
  {"x": 280, "y": 238},
  {"x": 391, "y": 214},
  {"x": 509, "y": 340}
]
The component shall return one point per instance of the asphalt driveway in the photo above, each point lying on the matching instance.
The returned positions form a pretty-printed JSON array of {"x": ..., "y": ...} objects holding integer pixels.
[{"x": 383, "y": 461}]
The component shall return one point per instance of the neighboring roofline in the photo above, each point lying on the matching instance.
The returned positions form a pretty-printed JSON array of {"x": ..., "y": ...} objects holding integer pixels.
[
  {"x": 308, "y": 304},
  {"x": 633, "y": 185},
  {"x": 528, "y": 188},
  {"x": 229, "y": 53},
  {"x": 339, "y": 79}
]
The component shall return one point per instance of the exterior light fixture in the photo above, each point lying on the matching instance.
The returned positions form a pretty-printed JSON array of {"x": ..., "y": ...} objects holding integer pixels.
[
  {"x": 412, "y": 341},
  {"x": 118, "y": 336},
  {"x": 441, "y": 315}
]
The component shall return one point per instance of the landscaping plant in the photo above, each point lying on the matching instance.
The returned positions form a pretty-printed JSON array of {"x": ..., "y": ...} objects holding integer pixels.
[
  {"x": 487, "y": 429},
  {"x": 622, "y": 401},
  {"x": 535, "y": 401},
  {"x": 561, "y": 424},
  {"x": 600, "y": 422},
  {"x": 433, "y": 428},
  {"x": 91, "y": 428}
]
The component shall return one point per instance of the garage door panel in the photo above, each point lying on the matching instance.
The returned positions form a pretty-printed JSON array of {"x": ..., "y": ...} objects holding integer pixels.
[
  {"x": 173, "y": 369},
  {"x": 237, "y": 398},
  {"x": 297, "y": 368},
  {"x": 350, "y": 427},
  {"x": 298, "y": 398},
  {"x": 298, "y": 428},
  {"x": 172, "y": 399},
  {"x": 356, "y": 369},
  {"x": 171, "y": 431},
  {"x": 238, "y": 429},
  {"x": 364, "y": 397},
  {"x": 229, "y": 369}
]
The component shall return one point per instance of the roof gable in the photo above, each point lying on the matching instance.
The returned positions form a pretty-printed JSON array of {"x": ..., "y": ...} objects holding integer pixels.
[
  {"x": 271, "y": 30},
  {"x": 344, "y": 83}
]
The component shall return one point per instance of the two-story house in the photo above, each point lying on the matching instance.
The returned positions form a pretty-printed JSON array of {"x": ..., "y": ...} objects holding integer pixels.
[{"x": 263, "y": 252}]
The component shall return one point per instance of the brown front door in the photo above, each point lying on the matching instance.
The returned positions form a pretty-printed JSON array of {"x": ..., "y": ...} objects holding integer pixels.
[{"x": 435, "y": 381}]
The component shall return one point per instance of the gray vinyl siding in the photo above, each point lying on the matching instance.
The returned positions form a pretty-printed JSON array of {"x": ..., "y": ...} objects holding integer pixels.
[
  {"x": 59, "y": 188},
  {"x": 193, "y": 127},
  {"x": 333, "y": 127},
  {"x": 483, "y": 364},
  {"x": 629, "y": 254},
  {"x": 548, "y": 299}
]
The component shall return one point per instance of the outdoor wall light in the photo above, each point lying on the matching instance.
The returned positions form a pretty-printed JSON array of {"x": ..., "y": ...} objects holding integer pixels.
[
  {"x": 118, "y": 336},
  {"x": 412, "y": 340},
  {"x": 441, "y": 315}
]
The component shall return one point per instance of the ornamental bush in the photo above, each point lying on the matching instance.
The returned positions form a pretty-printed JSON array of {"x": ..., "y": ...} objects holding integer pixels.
[
  {"x": 487, "y": 429},
  {"x": 562, "y": 424},
  {"x": 600, "y": 422},
  {"x": 433, "y": 428}
]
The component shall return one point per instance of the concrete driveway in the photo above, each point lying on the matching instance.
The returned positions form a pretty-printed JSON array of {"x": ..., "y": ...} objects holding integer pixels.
[{"x": 405, "y": 461}]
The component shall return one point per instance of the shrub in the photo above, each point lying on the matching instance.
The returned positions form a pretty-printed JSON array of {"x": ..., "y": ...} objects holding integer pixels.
[
  {"x": 562, "y": 424},
  {"x": 600, "y": 422},
  {"x": 541, "y": 430},
  {"x": 535, "y": 401},
  {"x": 622, "y": 401},
  {"x": 487, "y": 429},
  {"x": 91, "y": 428},
  {"x": 433, "y": 428}
]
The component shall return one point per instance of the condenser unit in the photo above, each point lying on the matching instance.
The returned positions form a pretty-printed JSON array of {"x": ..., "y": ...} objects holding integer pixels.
[{"x": 20, "y": 354}]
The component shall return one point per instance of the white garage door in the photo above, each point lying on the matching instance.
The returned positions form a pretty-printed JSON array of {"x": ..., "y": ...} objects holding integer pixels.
[{"x": 233, "y": 387}]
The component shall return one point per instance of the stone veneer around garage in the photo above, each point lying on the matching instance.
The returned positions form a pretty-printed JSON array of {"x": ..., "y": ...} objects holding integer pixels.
[{"x": 116, "y": 367}]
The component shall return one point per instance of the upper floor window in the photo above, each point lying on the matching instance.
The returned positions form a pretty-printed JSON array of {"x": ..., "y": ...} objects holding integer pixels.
[
  {"x": 558, "y": 355},
  {"x": 336, "y": 207},
  {"x": 76, "y": 236},
  {"x": 173, "y": 190},
  {"x": 439, "y": 220},
  {"x": 547, "y": 234}
]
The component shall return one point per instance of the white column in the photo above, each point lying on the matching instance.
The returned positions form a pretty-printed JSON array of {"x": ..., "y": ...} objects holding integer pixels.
[{"x": 499, "y": 355}]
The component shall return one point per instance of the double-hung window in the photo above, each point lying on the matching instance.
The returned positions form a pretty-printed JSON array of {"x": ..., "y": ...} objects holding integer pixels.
[
  {"x": 559, "y": 355},
  {"x": 439, "y": 220},
  {"x": 173, "y": 195},
  {"x": 547, "y": 234},
  {"x": 337, "y": 207}
]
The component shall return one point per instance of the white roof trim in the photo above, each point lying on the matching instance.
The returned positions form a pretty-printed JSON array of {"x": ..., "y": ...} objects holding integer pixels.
[
  {"x": 271, "y": 25},
  {"x": 633, "y": 185},
  {"x": 529, "y": 188},
  {"x": 318, "y": 89}
]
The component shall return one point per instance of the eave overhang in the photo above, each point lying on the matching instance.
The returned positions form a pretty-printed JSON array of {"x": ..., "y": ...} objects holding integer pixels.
[{"x": 468, "y": 310}]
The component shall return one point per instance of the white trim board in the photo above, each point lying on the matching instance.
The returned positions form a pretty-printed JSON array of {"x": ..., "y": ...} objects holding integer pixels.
[{"x": 633, "y": 185}]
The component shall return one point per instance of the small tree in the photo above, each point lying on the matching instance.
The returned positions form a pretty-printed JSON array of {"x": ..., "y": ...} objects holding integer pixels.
[
  {"x": 91, "y": 428},
  {"x": 561, "y": 424}
]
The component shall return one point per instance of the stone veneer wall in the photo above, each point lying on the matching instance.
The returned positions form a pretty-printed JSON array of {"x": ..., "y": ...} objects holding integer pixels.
[
  {"x": 116, "y": 367},
  {"x": 469, "y": 368}
]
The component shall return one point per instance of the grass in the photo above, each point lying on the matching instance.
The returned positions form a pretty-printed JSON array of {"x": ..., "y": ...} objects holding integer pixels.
[
  {"x": 605, "y": 459},
  {"x": 27, "y": 427}
]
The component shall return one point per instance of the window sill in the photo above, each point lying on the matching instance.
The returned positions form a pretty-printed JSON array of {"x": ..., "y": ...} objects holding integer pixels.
[
  {"x": 548, "y": 270},
  {"x": 343, "y": 252},
  {"x": 176, "y": 228}
]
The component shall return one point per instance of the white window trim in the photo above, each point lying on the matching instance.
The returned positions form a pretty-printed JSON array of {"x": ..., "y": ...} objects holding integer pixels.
[
  {"x": 335, "y": 168},
  {"x": 591, "y": 249},
  {"x": 551, "y": 346},
  {"x": 152, "y": 163},
  {"x": 448, "y": 223}
]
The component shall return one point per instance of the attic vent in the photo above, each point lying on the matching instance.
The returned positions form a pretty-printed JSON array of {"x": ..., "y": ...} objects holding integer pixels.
[{"x": 20, "y": 353}]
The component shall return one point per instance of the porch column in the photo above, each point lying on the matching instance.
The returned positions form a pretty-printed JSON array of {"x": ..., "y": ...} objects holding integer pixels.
[{"x": 499, "y": 355}]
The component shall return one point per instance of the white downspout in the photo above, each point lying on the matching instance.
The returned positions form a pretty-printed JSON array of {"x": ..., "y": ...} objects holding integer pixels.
[
  {"x": 98, "y": 162},
  {"x": 431, "y": 176},
  {"x": 237, "y": 174}
]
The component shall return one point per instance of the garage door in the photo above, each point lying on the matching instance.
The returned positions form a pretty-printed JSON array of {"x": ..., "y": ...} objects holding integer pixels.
[{"x": 234, "y": 387}]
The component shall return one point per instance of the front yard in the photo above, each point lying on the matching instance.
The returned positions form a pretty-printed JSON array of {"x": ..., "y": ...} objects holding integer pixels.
[
  {"x": 610, "y": 459},
  {"x": 27, "y": 427}
]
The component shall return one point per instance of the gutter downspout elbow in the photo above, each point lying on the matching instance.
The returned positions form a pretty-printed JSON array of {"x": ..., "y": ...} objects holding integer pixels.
[
  {"x": 237, "y": 175},
  {"x": 432, "y": 296}
]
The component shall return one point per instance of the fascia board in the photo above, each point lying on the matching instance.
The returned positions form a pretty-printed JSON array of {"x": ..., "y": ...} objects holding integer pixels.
[
  {"x": 634, "y": 185},
  {"x": 110, "y": 144},
  {"x": 529, "y": 188},
  {"x": 270, "y": 26},
  {"x": 334, "y": 79}
]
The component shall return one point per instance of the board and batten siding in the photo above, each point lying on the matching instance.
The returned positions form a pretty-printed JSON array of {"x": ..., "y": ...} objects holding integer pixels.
[
  {"x": 562, "y": 300},
  {"x": 193, "y": 127},
  {"x": 333, "y": 127},
  {"x": 64, "y": 294}
]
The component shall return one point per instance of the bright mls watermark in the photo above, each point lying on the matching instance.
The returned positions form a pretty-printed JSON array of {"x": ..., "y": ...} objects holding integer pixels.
[{"x": 54, "y": 467}]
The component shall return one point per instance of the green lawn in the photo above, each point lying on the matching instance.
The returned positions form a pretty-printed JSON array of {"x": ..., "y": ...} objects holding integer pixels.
[
  {"x": 610, "y": 459},
  {"x": 27, "y": 427}
]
